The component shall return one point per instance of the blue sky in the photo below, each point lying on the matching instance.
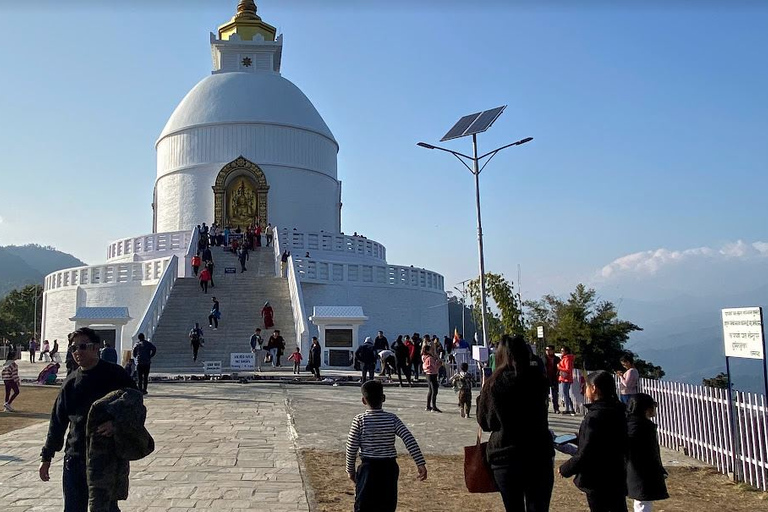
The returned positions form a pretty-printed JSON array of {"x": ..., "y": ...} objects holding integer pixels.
[{"x": 650, "y": 125}]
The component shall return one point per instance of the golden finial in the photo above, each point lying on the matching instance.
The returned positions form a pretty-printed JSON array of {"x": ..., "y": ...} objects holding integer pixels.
[{"x": 246, "y": 9}]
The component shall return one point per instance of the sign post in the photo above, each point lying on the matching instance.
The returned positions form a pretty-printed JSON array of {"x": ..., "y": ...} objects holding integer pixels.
[{"x": 744, "y": 337}]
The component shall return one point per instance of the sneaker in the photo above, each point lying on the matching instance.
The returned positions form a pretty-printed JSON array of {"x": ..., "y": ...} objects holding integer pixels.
[
  {"x": 8, "y": 408},
  {"x": 428, "y": 409},
  {"x": 436, "y": 409},
  {"x": 210, "y": 326}
]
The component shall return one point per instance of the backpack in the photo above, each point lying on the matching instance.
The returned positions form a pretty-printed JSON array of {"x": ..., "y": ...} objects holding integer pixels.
[{"x": 195, "y": 335}]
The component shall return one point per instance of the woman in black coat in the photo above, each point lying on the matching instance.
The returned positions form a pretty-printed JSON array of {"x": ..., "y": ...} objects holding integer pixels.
[
  {"x": 645, "y": 473},
  {"x": 315, "y": 357},
  {"x": 513, "y": 407},
  {"x": 599, "y": 464}
]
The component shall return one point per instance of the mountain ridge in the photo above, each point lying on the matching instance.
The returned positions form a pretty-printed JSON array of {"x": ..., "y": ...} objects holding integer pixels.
[{"x": 22, "y": 265}]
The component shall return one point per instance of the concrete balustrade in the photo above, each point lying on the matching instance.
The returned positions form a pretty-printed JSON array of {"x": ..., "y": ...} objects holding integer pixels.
[
  {"x": 155, "y": 245},
  {"x": 301, "y": 242},
  {"x": 318, "y": 271},
  {"x": 111, "y": 273}
]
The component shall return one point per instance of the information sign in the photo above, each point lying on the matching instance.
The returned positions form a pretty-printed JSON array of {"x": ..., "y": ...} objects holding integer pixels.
[
  {"x": 743, "y": 332},
  {"x": 244, "y": 361},
  {"x": 212, "y": 367}
]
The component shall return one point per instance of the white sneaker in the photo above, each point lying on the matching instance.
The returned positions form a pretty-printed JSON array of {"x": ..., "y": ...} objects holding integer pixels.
[{"x": 8, "y": 408}]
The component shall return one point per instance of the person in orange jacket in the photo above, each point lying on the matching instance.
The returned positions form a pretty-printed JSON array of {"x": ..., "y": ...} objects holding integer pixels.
[
  {"x": 196, "y": 263},
  {"x": 565, "y": 377}
]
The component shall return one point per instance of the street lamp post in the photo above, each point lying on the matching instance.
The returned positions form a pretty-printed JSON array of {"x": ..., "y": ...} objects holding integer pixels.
[{"x": 476, "y": 169}]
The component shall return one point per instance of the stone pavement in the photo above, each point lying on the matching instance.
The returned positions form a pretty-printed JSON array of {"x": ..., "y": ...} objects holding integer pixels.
[
  {"x": 225, "y": 446},
  {"x": 218, "y": 447}
]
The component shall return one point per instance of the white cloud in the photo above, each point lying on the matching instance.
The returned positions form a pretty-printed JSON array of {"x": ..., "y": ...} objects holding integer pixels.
[
  {"x": 648, "y": 263},
  {"x": 1, "y": 219}
]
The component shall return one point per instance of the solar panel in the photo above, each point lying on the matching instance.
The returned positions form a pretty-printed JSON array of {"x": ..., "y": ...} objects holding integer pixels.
[
  {"x": 460, "y": 127},
  {"x": 485, "y": 120},
  {"x": 473, "y": 123}
]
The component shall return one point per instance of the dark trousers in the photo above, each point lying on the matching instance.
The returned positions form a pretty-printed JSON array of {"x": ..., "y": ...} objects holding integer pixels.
[
  {"x": 204, "y": 286},
  {"x": 432, "y": 393},
  {"x": 403, "y": 369},
  {"x": 11, "y": 385},
  {"x": 143, "y": 371},
  {"x": 376, "y": 485},
  {"x": 368, "y": 370},
  {"x": 554, "y": 389},
  {"x": 195, "y": 269},
  {"x": 296, "y": 367},
  {"x": 465, "y": 401},
  {"x": 213, "y": 320},
  {"x": 602, "y": 502},
  {"x": 526, "y": 486},
  {"x": 316, "y": 370},
  {"x": 75, "y": 486},
  {"x": 195, "y": 348},
  {"x": 416, "y": 364},
  {"x": 269, "y": 240},
  {"x": 31, "y": 356}
]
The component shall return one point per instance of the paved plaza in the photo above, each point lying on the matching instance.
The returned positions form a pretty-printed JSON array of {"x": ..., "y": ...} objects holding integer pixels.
[{"x": 228, "y": 446}]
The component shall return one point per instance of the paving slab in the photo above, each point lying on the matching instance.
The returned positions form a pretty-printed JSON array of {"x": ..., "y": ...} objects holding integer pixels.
[{"x": 219, "y": 446}]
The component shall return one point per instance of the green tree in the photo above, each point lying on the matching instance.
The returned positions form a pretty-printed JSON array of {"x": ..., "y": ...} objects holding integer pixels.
[
  {"x": 589, "y": 326},
  {"x": 17, "y": 313},
  {"x": 504, "y": 314},
  {"x": 719, "y": 381}
]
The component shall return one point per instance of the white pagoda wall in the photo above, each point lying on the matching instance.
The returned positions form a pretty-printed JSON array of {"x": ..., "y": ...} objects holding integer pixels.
[
  {"x": 300, "y": 167},
  {"x": 392, "y": 309},
  {"x": 61, "y": 304}
]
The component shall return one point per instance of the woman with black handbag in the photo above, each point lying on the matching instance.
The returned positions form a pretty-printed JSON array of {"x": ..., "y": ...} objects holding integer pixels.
[{"x": 513, "y": 407}]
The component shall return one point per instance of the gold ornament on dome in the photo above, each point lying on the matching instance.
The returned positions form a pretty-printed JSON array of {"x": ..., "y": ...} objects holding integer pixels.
[
  {"x": 240, "y": 195},
  {"x": 242, "y": 201}
]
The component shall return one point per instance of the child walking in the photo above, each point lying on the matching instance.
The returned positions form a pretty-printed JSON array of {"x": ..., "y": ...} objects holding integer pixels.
[
  {"x": 296, "y": 357},
  {"x": 599, "y": 464},
  {"x": 462, "y": 383},
  {"x": 372, "y": 434},
  {"x": 645, "y": 474},
  {"x": 11, "y": 380}
]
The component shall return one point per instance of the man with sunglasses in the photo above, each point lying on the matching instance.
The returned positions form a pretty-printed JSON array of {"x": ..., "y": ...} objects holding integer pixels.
[{"x": 93, "y": 379}]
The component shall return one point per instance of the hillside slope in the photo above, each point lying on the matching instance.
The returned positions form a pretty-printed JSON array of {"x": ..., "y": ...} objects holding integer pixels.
[{"x": 29, "y": 264}]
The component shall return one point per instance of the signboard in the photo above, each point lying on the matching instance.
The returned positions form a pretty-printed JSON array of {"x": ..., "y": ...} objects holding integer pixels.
[
  {"x": 480, "y": 353},
  {"x": 212, "y": 367},
  {"x": 743, "y": 332},
  {"x": 230, "y": 270},
  {"x": 540, "y": 332},
  {"x": 244, "y": 361}
]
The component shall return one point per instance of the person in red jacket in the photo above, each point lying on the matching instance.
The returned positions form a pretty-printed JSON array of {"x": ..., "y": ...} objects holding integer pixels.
[
  {"x": 205, "y": 276},
  {"x": 196, "y": 263},
  {"x": 565, "y": 377}
]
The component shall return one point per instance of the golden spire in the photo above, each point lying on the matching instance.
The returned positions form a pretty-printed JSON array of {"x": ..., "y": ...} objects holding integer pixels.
[
  {"x": 246, "y": 9},
  {"x": 247, "y": 24}
]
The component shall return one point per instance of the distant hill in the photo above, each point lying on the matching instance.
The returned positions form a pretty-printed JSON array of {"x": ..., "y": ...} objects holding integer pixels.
[
  {"x": 685, "y": 336},
  {"x": 29, "y": 264}
]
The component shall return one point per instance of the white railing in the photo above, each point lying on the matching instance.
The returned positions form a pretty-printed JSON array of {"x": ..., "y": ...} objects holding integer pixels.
[
  {"x": 154, "y": 311},
  {"x": 191, "y": 251},
  {"x": 302, "y": 242},
  {"x": 112, "y": 273},
  {"x": 697, "y": 420},
  {"x": 155, "y": 245},
  {"x": 316, "y": 271},
  {"x": 297, "y": 297}
]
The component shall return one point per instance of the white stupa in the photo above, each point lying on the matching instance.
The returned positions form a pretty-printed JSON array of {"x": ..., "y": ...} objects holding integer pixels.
[{"x": 245, "y": 145}]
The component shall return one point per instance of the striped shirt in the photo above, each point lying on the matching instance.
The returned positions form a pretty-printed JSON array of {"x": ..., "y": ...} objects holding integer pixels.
[{"x": 373, "y": 435}]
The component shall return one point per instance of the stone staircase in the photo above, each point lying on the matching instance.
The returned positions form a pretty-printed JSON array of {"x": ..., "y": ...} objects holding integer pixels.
[{"x": 241, "y": 297}]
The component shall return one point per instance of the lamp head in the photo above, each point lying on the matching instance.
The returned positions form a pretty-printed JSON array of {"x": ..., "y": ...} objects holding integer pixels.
[
  {"x": 527, "y": 139},
  {"x": 425, "y": 145}
]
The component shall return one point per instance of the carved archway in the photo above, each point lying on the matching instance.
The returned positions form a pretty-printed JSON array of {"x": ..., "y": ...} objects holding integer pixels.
[{"x": 240, "y": 167}]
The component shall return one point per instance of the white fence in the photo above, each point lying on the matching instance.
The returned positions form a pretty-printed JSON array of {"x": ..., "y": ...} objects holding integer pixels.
[
  {"x": 312, "y": 270},
  {"x": 111, "y": 273},
  {"x": 697, "y": 420},
  {"x": 155, "y": 245},
  {"x": 302, "y": 242},
  {"x": 297, "y": 296},
  {"x": 154, "y": 310}
]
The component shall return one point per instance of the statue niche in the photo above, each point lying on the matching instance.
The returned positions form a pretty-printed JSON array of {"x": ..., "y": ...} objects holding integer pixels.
[
  {"x": 240, "y": 195},
  {"x": 242, "y": 203}
]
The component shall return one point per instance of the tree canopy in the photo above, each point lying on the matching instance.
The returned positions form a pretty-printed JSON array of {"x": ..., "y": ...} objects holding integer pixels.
[
  {"x": 590, "y": 327},
  {"x": 17, "y": 313},
  {"x": 507, "y": 317}
]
